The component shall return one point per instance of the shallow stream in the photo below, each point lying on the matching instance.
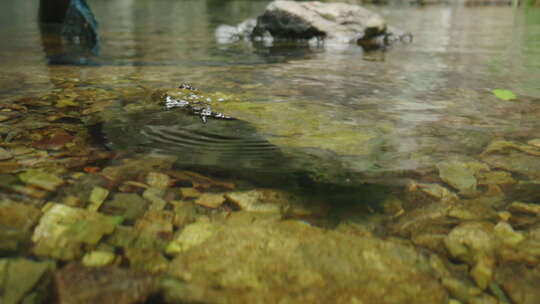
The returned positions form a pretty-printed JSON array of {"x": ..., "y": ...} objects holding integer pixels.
[{"x": 367, "y": 137}]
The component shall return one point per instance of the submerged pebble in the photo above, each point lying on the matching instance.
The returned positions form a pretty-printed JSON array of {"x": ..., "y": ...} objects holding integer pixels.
[
  {"x": 98, "y": 258},
  {"x": 97, "y": 196},
  {"x": 4, "y": 154},
  {"x": 41, "y": 179},
  {"x": 63, "y": 230},
  {"x": 457, "y": 175}
]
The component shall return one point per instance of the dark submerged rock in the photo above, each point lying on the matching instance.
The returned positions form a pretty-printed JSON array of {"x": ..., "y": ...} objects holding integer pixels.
[{"x": 80, "y": 285}]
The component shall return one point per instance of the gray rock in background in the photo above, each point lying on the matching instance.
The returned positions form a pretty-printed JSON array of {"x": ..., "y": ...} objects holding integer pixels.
[
  {"x": 306, "y": 20},
  {"x": 336, "y": 22}
]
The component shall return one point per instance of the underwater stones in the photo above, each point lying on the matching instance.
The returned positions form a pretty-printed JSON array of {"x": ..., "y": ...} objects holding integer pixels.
[
  {"x": 192, "y": 235},
  {"x": 76, "y": 284},
  {"x": 18, "y": 215},
  {"x": 275, "y": 201},
  {"x": 513, "y": 157},
  {"x": 123, "y": 236},
  {"x": 528, "y": 190},
  {"x": 516, "y": 161},
  {"x": 466, "y": 292},
  {"x": 523, "y": 215},
  {"x": 306, "y": 20},
  {"x": 128, "y": 205},
  {"x": 131, "y": 168},
  {"x": 507, "y": 234},
  {"x": 18, "y": 277},
  {"x": 481, "y": 208},
  {"x": 158, "y": 180},
  {"x": 534, "y": 142},
  {"x": 474, "y": 243},
  {"x": 519, "y": 207},
  {"x": 97, "y": 196},
  {"x": 292, "y": 262},
  {"x": 16, "y": 222},
  {"x": 155, "y": 197},
  {"x": 459, "y": 288},
  {"x": 254, "y": 201},
  {"x": 63, "y": 231},
  {"x": 184, "y": 213},
  {"x": 188, "y": 193},
  {"x": 503, "y": 146},
  {"x": 4, "y": 154},
  {"x": 146, "y": 260},
  {"x": 98, "y": 258},
  {"x": 519, "y": 282},
  {"x": 457, "y": 175},
  {"x": 427, "y": 219},
  {"x": 495, "y": 178},
  {"x": 41, "y": 179},
  {"x": 154, "y": 230},
  {"x": 425, "y": 194},
  {"x": 210, "y": 200}
]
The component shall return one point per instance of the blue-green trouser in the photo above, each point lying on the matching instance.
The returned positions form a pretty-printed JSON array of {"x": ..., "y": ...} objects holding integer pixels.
[{"x": 69, "y": 28}]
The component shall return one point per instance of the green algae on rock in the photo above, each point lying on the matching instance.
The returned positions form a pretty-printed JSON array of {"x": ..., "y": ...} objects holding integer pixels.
[{"x": 63, "y": 231}]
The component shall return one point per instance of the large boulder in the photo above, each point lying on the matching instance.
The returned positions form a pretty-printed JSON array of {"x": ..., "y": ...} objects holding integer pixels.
[
  {"x": 333, "y": 22},
  {"x": 306, "y": 20},
  {"x": 293, "y": 262}
]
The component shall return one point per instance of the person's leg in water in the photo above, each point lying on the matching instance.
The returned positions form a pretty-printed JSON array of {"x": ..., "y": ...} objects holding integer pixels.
[{"x": 69, "y": 31}]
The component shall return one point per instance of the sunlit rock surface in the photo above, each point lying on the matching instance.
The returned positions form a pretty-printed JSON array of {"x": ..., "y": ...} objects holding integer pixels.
[
  {"x": 294, "y": 262},
  {"x": 63, "y": 230}
]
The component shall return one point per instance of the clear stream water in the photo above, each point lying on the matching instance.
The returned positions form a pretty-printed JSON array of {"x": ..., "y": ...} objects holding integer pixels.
[
  {"x": 332, "y": 113},
  {"x": 402, "y": 109}
]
